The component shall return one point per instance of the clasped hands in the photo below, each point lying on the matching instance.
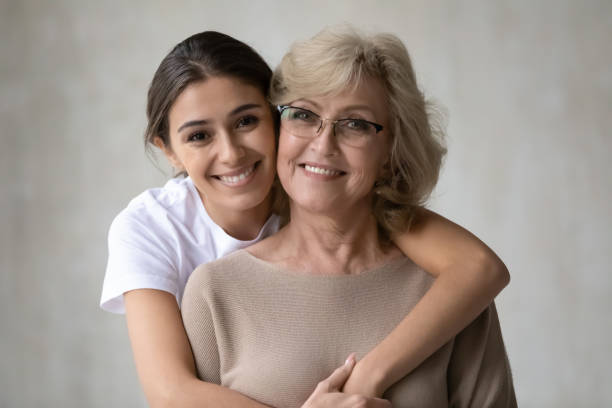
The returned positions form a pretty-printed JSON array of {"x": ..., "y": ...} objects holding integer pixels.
[{"x": 349, "y": 386}]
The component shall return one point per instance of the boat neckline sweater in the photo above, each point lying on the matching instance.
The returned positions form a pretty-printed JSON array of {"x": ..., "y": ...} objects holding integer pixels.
[{"x": 273, "y": 334}]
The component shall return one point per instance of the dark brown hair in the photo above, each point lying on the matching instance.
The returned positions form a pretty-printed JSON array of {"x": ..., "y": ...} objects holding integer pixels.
[{"x": 196, "y": 58}]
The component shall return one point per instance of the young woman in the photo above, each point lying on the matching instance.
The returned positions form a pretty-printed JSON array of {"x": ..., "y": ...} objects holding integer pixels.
[{"x": 208, "y": 112}]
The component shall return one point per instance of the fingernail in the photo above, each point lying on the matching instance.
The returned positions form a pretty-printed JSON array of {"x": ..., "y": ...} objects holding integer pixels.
[{"x": 350, "y": 359}]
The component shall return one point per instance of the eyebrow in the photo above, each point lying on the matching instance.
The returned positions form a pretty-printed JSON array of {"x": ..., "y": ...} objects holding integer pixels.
[
  {"x": 307, "y": 101},
  {"x": 236, "y": 111},
  {"x": 357, "y": 107},
  {"x": 344, "y": 109},
  {"x": 191, "y": 123}
]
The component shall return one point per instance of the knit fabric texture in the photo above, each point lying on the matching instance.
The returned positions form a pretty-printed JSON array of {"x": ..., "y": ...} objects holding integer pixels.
[{"x": 273, "y": 334}]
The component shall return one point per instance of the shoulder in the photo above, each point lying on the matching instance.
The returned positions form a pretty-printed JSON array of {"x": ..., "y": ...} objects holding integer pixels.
[
  {"x": 399, "y": 277},
  {"x": 405, "y": 268},
  {"x": 171, "y": 198},
  {"x": 229, "y": 274},
  {"x": 237, "y": 265},
  {"x": 155, "y": 209},
  {"x": 268, "y": 248}
]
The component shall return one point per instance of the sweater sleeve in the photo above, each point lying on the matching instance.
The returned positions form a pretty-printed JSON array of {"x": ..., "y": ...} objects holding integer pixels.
[
  {"x": 479, "y": 372},
  {"x": 199, "y": 326}
]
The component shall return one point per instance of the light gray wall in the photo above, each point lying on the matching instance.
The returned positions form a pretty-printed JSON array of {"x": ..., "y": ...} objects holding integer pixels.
[{"x": 528, "y": 89}]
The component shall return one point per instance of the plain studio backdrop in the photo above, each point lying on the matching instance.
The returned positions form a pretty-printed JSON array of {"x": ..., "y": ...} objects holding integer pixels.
[{"x": 528, "y": 91}]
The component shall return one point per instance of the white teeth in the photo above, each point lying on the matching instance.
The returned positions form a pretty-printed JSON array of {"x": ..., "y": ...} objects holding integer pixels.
[
  {"x": 319, "y": 170},
  {"x": 239, "y": 177}
]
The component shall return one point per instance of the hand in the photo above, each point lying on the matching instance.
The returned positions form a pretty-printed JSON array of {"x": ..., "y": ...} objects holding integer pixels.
[
  {"x": 363, "y": 380},
  {"x": 327, "y": 393}
]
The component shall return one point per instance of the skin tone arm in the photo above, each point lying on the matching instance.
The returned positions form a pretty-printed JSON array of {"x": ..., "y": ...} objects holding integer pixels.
[
  {"x": 167, "y": 371},
  {"x": 163, "y": 356},
  {"x": 468, "y": 276},
  {"x": 328, "y": 394}
]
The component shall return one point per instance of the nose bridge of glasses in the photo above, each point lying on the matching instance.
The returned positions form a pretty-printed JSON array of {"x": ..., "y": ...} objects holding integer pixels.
[
  {"x": 325, "y": 139},
  {"x": 322, "y": 126}
]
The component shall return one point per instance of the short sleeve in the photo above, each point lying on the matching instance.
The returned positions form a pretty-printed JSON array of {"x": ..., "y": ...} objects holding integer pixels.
[
  {"x": 140, "y": 256},
  {"x": 199, "y": 325},
  {"x": 479, "y": 372}
]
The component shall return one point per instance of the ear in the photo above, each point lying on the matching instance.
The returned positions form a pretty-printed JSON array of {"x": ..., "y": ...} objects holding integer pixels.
[{"x": 168, "y": 152}]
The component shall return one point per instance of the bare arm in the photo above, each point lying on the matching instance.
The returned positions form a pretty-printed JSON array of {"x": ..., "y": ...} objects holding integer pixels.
[
  {"x": 469, "y": 275},
  {"x": 327, "y": 393},
  {"x": 163, "y": 356}
]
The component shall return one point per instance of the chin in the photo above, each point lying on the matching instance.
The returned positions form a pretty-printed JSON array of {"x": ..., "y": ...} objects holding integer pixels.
[
  {"x": 249, "y": 200},
  {"x": 245, "y": 204}
]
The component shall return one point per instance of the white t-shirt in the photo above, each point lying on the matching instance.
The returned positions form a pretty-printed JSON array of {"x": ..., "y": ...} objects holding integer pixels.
[{"x": 160, "y": 238}]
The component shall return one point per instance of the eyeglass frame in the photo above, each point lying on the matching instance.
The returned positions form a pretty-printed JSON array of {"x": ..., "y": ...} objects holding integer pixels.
[{"x": 282, "y": 108}]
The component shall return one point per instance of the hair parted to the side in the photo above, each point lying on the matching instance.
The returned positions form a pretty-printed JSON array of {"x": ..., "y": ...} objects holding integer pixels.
[
  {"x": 197, "y": 58},
  {"x": 201, "y": 56},
  {"x": 339, "y": 58}
]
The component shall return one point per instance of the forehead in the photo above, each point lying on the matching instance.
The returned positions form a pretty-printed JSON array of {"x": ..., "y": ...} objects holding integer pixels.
[{"x": 368, "y": 94}]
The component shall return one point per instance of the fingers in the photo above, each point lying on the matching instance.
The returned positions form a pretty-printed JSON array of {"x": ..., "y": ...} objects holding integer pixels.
[
  {"x": 365, "y": 402},
  {"x": 337, "y": 379},
  {"x": 340, "y": 400},
  {"x": 327, "y": 393}
]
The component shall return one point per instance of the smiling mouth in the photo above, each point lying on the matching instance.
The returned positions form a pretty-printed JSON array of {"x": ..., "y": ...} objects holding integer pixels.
[
  {"x": 237, "y": 178},
  {"x": 321, "y": 170}
]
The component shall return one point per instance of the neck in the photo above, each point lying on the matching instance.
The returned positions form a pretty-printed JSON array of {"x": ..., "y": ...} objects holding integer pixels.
[
  {"x": 332, "y": 243},
  {"x": 244, "y": 224}
]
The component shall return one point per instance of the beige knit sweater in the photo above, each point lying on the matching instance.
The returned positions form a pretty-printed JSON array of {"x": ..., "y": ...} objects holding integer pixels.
[{"x": 273, "y": 335}]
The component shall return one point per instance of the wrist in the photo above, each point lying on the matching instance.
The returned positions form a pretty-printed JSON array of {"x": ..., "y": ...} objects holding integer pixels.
[{"x": 375, "y": 375}]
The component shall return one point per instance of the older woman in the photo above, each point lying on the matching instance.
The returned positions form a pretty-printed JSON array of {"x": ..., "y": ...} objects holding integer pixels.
[{"x": 357, "y": 157}]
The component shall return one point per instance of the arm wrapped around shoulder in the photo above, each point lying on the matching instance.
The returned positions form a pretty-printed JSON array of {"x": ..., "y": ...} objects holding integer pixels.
[
  {"x": 199, "y": 326},
  {"x": 479, "y": 372}
]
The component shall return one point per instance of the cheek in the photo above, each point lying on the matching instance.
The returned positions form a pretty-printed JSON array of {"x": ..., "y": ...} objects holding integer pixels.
[
  {"x": 366, "y": 171},
  {"x": 181, "y": 158},
  {"x": 288, "y": 149},
  {"x": 266, "y": 138},
  {"x": 362, "y": 181},
  {"x": 282, "y": 161},
  {"x": 195, "y": 158},
  {"x": 262, "y": 142}
]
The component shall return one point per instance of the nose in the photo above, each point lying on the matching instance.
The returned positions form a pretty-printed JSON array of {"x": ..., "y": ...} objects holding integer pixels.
[
  {"x": 230, "y": 150},
  {"x": 325, "y": 142}
]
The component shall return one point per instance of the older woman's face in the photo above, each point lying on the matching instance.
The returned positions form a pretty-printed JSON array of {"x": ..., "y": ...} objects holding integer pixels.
[{"x": 324, "y": 173}]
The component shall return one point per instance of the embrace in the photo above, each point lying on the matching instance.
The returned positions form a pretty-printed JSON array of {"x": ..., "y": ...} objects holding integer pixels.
[{"x": 322, "y": 280}]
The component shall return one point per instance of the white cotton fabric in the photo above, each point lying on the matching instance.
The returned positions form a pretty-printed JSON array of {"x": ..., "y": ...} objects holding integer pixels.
[{"x": 160, "y": 238}]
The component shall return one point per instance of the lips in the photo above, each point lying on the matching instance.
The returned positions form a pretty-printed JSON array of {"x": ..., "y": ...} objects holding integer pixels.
[
  {"x": 321, "y": 170},
  {"x": 235, "y": 177}
]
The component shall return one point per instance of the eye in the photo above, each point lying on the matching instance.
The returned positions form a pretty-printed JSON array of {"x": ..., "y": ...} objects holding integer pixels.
[
  {"x": 356, "y": 125},
  {"x": 199, "y": 136},
  {"x": 301, "y": 115},
  {"x": 247, "y": 122}
]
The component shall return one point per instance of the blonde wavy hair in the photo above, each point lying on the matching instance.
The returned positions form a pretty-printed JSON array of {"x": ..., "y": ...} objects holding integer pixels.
[{"x": 339, "y": 58}]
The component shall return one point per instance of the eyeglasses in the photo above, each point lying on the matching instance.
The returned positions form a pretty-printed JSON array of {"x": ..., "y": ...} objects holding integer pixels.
[{"x": 303, "y": 123}]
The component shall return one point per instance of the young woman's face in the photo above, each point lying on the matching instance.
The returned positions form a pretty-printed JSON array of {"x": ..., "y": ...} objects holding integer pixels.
[
  {"x": 327, "y": 173},
  {"x": 222, "y": 134}
]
